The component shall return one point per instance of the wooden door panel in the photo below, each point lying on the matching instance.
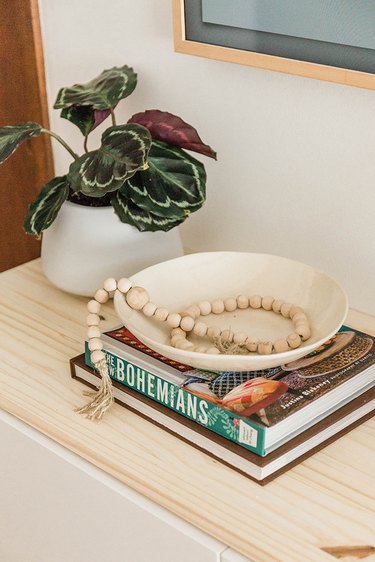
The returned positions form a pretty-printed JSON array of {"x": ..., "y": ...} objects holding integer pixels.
[{"x": 22, "y": 98}]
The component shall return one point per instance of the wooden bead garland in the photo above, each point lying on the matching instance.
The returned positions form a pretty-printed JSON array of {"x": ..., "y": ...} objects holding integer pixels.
[
  {"x": 287, "y": 310},
  {"x": 187, "y": 321}
]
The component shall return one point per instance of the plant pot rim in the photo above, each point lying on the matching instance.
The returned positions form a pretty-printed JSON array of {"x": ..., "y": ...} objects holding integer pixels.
[{"x": 87, "y": 207}]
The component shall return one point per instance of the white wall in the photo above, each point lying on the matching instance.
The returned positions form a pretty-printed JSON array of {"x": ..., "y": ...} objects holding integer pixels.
[{"x": 296, "y": 168}]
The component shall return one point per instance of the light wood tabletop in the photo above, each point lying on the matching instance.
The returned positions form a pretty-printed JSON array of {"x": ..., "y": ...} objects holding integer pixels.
[{"x": 327, "y": 501}]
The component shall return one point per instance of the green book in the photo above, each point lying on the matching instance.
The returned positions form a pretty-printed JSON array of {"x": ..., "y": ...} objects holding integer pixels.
[{"x": 258, "y": 410}]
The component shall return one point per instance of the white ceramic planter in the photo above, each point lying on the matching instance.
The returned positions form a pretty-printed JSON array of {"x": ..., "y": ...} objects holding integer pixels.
[{"x": 85, "y": 245}]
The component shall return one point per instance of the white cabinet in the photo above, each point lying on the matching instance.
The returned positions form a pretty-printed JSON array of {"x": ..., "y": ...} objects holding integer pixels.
[
  {"x": 230, "y": 555},
  {"x": 56, "y": 507}
]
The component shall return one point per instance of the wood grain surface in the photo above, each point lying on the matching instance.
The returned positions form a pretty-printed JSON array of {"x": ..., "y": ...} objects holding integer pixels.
[
  {"x": 22, "y": 98},
  {"x": 327, "y": 501}
]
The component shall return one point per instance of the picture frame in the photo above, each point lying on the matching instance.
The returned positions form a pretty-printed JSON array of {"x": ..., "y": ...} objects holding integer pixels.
[{"x": 184, "y": 44}]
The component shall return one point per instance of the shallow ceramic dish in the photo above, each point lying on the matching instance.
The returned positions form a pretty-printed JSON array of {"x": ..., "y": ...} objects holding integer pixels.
[{"x": 178, "y": 283}]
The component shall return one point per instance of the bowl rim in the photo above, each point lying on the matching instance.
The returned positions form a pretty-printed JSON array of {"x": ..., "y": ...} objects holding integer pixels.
[{"x": 185, "y": 354}]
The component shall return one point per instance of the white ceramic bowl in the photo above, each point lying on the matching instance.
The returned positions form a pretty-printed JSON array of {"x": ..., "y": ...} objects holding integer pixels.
[{"x": 180, "y": 282}]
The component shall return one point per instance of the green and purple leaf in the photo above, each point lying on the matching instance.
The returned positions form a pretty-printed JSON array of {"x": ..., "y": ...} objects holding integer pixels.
[
  {"x": 130, "y": 213},
  {"x": 103, "y": 92},
  {"x": 123, "y": 152},
  {"x": 173, "y": 186},
  {"x": 43, "y": 211},
  {"x": 171, "y": 129},
  {"x": 85, "y": 117},
  {"x": 11, "y": 136}
]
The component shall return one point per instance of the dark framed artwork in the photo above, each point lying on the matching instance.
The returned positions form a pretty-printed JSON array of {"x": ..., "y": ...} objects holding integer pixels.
[{"x": 331, "y": 40}]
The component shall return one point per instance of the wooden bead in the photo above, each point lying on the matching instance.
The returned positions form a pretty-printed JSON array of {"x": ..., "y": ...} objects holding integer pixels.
[
  {"x": 205, "y": 307},
  {"x": 101, "y": 296},
  {"x": 201, "y": 349},
  {"x": 267, "y": 303},
  {"x": 300, "y": 317},
  {"x": 92, "y": 320},
  {"x": 173, "y": 320},
  {"x": 242, "y": 301},
  {"x": 294, "y": 340},
  {"x": 187, "y": 323},
  {"x": 276, "y": 305},
  {"x": 239, "y": 337},
  {"x": 294, "y": 310},
  {"x": 200, "y": 329},
  {"x": 212, "y": 351},
  {"x": 161, "y": 314},
  {"x": 280, "y": 346},
  {"x": 285, "y": 309},
  {"x": 149, "y": 309},
  {"x": 110, "y": 285},
  {"x": 94, "y": 306},
  {"x": 137, "y": 297},
  {"x": 301, "y": 324},
  {"x": 230, "y": 304},
  {"x": 303, "y": 331},
  {"x": 193, "y": 311},
  {"x": 124, "y": 284},
  {"x": 227, "y": 335},
  {"x": 95, "y": 343},
  {"x": 176, "y": 338},
  {"x": 213, "y": 332},
  {"x": 184, "y": 344},
  {"x": 93, "y": 332},
  {"x": 265, "y": 347},
  {"x": 217, "y": 306},
  {"x": 255, "y": 301},
  {"x": 178, "y": 332},
  {"x": 252, "y": 343},
  {"x": 97, "y": 356}
]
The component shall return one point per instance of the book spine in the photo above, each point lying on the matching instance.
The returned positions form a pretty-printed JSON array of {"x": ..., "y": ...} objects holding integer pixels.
[{"x": 208, "y": 414}]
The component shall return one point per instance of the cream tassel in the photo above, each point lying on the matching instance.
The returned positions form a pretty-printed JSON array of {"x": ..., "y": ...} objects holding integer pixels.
[{"x": 102, "y": 398}]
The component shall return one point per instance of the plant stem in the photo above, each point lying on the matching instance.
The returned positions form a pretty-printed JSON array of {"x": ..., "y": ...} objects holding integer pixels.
[
  {"x": 113, "y": 117},
  {"x": 61, "y": 141},
  {"x": 85, "y": 144}
]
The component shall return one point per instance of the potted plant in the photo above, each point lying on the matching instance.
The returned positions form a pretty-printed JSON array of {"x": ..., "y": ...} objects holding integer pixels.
[{"x": 117, "y": 208}]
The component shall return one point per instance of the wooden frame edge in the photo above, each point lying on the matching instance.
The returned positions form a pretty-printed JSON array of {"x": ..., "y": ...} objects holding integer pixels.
[
  {"x": 267, "y": 62},
  {"x": 41, "y": 77}
]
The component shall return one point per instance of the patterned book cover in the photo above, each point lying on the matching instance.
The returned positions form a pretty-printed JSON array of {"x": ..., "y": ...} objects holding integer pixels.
[
  {"x": 241, "y": 405},
  {"x": 343, "y": 357},
  {"x": 337, "y": 360},
  {"x": 123, "y": 335}
]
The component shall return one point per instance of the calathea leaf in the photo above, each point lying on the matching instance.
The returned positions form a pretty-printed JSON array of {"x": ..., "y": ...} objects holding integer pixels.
[
  {"x": 103, "y": 92},
  {"x": 130, "y": 213},
  {"x": 171, "y": 129},
  {"x": 43, "y": 211},
  {"x": 123, "y": 151},
  {"x": 173, "y": 186},
  {"x": 11, "y": 137},
  {"x": 85, "y": 117}
]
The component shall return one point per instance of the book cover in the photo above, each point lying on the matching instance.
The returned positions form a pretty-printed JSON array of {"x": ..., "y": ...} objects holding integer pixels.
[
  {"x": 241, "y": 406},
  {"x": 338, "y": 360},
  {"x": 200, "y": 408},
  {"x": 261, "y": 469}
]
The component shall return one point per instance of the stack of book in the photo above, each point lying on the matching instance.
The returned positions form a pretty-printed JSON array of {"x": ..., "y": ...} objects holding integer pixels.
[{"x": 259, "y": 422}]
